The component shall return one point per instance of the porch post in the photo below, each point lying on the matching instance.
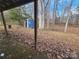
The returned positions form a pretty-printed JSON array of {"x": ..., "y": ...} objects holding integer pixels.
[
  {"x": 4, "y": 22},
  {"x": 35, "y": 26}
]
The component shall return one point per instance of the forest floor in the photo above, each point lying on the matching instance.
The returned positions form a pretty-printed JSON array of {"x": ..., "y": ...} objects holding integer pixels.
[{"x": 55, "y": 43}]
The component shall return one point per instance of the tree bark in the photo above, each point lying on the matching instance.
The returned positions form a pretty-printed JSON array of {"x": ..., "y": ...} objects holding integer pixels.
[
  {"x": 55, "y": 11},
  {"x": 41, "y": 14},
  {"x": 69, "y": 15},
  {"x": 66, "y": 25}
]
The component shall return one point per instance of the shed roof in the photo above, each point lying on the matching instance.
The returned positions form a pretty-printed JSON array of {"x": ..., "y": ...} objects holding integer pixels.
[{"x": 8, "y": 4}]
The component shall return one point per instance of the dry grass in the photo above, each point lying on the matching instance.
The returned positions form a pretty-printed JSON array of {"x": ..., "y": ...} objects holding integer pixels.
[{"x": 60, "y": 28}]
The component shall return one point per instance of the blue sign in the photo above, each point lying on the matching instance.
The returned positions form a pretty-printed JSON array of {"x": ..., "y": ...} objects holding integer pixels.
[{"x": 30, "y": 23}]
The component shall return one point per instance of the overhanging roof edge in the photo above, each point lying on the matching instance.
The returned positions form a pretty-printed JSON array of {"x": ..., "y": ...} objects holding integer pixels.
[{"x": 13, "y": 5}]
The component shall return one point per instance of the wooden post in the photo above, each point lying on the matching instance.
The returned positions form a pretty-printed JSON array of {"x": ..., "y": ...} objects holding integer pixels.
[
  {"x": 4, "y": 22},
  {"x": 35, "y": 26}
]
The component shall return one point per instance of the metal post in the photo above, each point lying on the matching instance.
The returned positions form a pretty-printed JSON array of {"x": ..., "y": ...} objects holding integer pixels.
[
  {"x": 35, "y": 17},
  {"x": 4, "y": 22}
]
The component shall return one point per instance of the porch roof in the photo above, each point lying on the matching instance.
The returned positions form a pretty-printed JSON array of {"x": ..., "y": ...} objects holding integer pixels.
[{"x": 8, "y": 4}]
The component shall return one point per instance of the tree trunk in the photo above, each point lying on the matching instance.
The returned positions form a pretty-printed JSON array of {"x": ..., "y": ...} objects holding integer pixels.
[
  {"x": 55, "y": 11},
  {"x": 41, "y": 14},
  {"x": 69, "y": 14},
  {"x": 66, "y": 25},
  {"x": 62, "y": 16}
]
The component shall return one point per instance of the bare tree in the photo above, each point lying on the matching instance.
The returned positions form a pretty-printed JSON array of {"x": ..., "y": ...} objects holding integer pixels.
[
  {"x": 55, "y": 10},
  {"x": 47, "y": 12},
  {"x": 43, "y": 7},
  {"x": 68, "y": 8},
  {"x": 77, "y": 15},
  {"x": 63, "y": 11},
  {"x": 41, "y": 13}
]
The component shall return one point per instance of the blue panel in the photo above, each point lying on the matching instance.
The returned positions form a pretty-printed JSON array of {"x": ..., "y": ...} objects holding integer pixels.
[{"x": 30, "y": 23}]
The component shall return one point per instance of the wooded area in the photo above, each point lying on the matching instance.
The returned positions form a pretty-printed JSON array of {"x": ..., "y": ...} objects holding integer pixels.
[{"x": 66, "y": 17}]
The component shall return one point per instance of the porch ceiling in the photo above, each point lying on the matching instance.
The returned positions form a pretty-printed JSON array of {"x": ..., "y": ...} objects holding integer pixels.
[{"x": 8, "y": 4}]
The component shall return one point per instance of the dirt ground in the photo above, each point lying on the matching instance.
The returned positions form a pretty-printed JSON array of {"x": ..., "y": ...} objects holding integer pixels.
[{"x": 55, "y": 43}]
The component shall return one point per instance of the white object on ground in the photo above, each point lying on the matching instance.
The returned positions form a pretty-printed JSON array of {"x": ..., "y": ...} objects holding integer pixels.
[{"x": 2, "y": 54}]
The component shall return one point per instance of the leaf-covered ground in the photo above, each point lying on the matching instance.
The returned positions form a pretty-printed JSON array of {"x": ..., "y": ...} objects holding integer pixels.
[
  {"x": 55, "y": 44},
  {"x": 12, "y": 49}
]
